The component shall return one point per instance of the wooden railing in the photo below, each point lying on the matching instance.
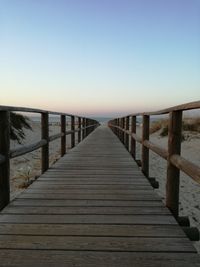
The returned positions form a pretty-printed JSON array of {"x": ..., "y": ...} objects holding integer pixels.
[
  {"x": 85, "y": 127},
  {"x": 175, "y": 162}
]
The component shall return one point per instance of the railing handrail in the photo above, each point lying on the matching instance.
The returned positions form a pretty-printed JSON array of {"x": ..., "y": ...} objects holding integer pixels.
[
  {"x": 36, "y": 110},
  {"x": 85, "y": 127},
  {"x": 175, "y": 161},
  {"x": 183, "y": 107}
]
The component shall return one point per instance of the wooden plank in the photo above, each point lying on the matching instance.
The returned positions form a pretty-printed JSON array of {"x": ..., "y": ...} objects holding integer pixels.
[
  {"x": 52, "y": 258},
  {"x": 92, "y": 191},
  {"x": 94, "y": 219},
  {"x": 91, "y": 181},
  {"x": 89, "y": 196},
  {"x": 78, "y": 202},
  {"x": 139, "y": 244},
  {"x": 89, "y": 186},
  {"x": 86, "y": 210},
  {"x": 92, "y": 230}
]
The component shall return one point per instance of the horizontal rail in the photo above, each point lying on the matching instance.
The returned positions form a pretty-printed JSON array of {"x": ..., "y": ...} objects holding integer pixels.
[
  {"x": 31, "y": 110},
  {"x": 26, "y": 149},
  {"x": 55, "y": 136},
  {"x": 34, "y": 110},
  {"x": 137, "y": 138},
  {"x": 157, "y": 149},
  {"x": 187, "y": 106},
  {"x": 186, "y": 166}
]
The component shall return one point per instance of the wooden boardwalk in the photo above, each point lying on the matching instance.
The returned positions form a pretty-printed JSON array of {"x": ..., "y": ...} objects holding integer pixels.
[{"x": 94, "y": 207}]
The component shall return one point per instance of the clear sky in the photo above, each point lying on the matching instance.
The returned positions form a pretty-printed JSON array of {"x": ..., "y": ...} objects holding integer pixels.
[{"x": 99, "y": 57}]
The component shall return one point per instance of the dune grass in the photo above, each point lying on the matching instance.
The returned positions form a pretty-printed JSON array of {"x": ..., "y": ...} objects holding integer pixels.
[{"x": 189, "y": 124}]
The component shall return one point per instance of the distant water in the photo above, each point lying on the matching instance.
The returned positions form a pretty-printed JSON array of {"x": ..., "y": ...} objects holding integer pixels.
[
  {"x": 55, "y": 119},
  {"x": 101, "y": 119}
]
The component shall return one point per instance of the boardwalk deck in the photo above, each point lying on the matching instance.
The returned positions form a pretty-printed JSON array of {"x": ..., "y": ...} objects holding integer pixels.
[{"x": 93, "y": 208}]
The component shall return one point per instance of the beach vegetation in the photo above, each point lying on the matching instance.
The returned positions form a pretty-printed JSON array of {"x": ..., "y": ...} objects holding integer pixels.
[
  {"x": 189, "y": 124},
  {"x": 19, "y": 122}
]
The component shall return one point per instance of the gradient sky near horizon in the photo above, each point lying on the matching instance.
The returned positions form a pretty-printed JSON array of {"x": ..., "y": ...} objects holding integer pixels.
[{"x": 100, "y": 58}]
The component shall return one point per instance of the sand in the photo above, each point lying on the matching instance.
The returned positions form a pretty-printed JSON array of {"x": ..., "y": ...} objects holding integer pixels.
[{"x": 27, "y": 167}]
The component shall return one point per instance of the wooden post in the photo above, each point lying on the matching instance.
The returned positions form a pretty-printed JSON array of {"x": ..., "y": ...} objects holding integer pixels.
[
  {"x": 133, "y": 130},
  {"x": 45, "y": 135},
  {"x": 145, "y": 150},
  {"x": 127, "y": 135},
  {"x": 86, "y": 125},
  {"x": 89, "y": 129},
  {"x": 79, "y": 127},
  {"x": 118, "y": 131},
  {"x": 73, "y": 133},
  {"x": 123, "y": 131},
  {"x": 4, "y": 151},
  {"x": 83, "y": 131},
  {"x": 63, "y": 138},
  {"x": 173, "y": 173}
]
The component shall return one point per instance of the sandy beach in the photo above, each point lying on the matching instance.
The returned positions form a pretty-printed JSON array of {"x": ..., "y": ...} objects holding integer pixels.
[{"x": 27, "y": 167}]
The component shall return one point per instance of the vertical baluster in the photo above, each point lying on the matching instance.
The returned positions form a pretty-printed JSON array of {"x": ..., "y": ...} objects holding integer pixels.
[
  {"x": 82, "y": 126},
  {"x": 118, "y": 131},
  {"x": 73, "y": 133},
  {"x": 86, "y": 124},
  {"x": 173, "y": 173},
  {"x": 145, "y": 150},
  {"x": 127, "y": 135},
  {"x": 45, "y": 136},
  {"x": 63, "y": 138},
  {"x": 123, "y": 134},
  {"x": 133, "y": 142},
  {"x": 4, "y": 151},
  {"x": 79, "y": 129}
]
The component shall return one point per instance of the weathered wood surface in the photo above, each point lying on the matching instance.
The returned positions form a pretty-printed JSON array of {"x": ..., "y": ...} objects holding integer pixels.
[{"x": 93, "y": 208}]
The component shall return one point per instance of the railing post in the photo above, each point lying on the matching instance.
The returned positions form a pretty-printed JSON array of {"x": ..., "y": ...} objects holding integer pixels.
[
  {"x": 63, "y": 138},
  {"x": 127, "y": 135},
  {"x": 118, "y": 131},
  {"x": 83, "y": 126},
  {"x": 4, "y": 151},
  {"x": 89, "y": 129},
  {"x": 79, "y": 127},
  {"x": 86, "y": 122},
  {"x": 133, "y": 130},
  {"x": 123, "y": 124},
  {"x": 73, "y": 133},
  {"x": 145, "y": 150},
  {"x": 173, "y": 173},
  {"x": 116, "y": 128},
  {"x": 45, "y": 136}
]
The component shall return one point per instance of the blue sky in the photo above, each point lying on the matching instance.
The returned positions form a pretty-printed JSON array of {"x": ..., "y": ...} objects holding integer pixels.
[{"x": 105, "y": 57}]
